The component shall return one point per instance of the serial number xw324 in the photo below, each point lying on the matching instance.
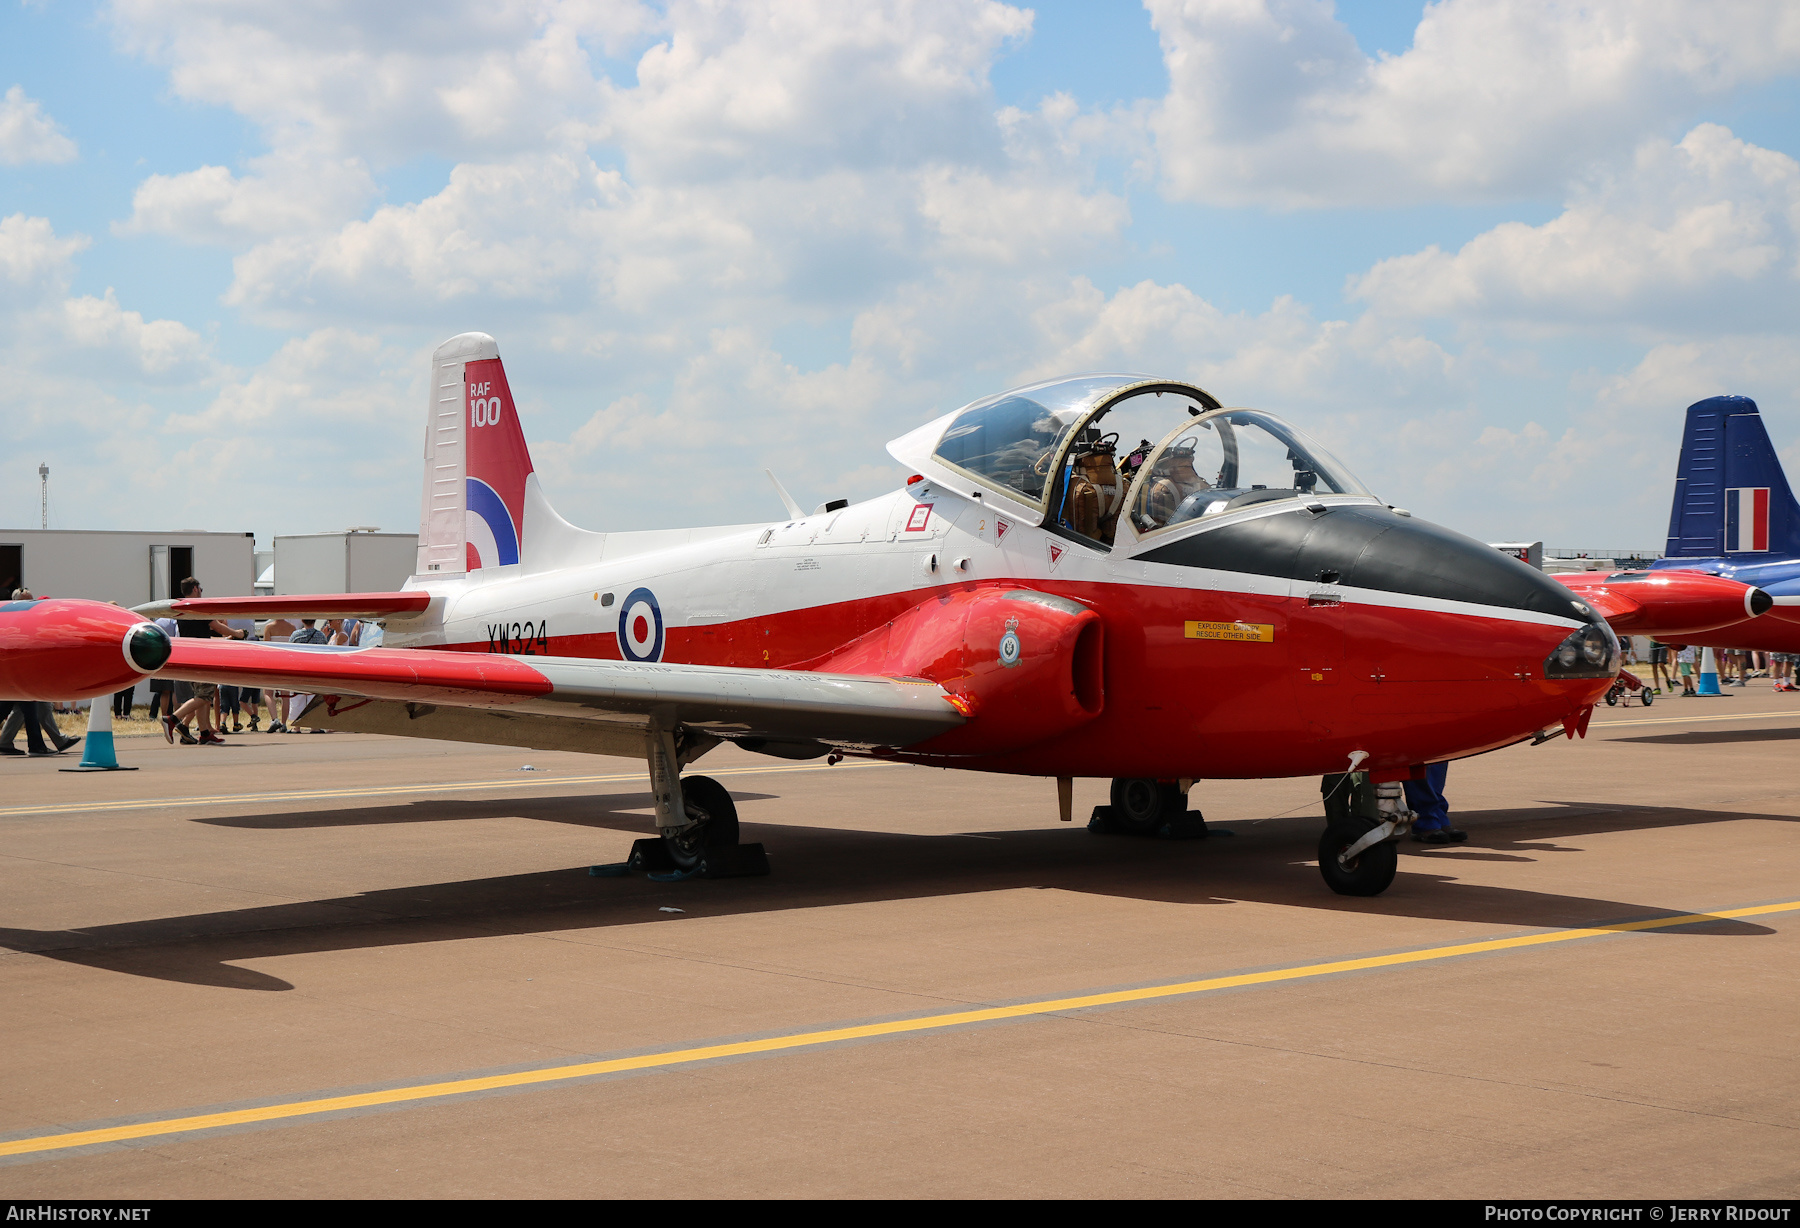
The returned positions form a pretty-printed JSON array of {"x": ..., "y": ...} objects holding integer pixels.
[{"x": 528, "y": 639}]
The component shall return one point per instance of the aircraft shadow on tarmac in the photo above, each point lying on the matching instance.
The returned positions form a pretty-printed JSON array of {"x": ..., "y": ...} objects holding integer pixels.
[
  {"x": 820, "y": 867},
  {"x": 1712, "y": 737},
  {"x": 609, "y": 812}
]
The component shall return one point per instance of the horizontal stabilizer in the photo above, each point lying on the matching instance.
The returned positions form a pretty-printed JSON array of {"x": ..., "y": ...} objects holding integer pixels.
[{"x": 311, "y": 605}]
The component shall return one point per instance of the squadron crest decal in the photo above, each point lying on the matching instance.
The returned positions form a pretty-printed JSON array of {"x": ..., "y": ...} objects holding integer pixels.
[{"x": 1010, "y": 648}]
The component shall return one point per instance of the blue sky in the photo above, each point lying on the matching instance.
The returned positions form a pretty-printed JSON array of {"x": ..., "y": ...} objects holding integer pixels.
[{"x": 1487, "y": 258}]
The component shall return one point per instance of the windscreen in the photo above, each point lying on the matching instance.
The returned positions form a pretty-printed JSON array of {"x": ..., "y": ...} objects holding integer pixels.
[{"x": 1230, "y": 460}]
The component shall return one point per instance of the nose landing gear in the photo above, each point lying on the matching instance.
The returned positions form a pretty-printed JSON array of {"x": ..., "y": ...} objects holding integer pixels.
[
  {"x": 1363, "y": 822},
  {"x": 1370, "y": 872}
]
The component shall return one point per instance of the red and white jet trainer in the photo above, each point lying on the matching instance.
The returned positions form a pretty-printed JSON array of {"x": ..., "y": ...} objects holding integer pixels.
[{"x": 1103, "y": 575}]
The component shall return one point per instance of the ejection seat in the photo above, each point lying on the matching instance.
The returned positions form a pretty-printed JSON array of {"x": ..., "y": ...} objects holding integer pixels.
[{"x": 1093, "y": 489}]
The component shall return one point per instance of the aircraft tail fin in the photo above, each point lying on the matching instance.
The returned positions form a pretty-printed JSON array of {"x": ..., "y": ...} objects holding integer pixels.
[
  {"x": 482, "y": 505},
  {"x": 1731, "y": 496}
]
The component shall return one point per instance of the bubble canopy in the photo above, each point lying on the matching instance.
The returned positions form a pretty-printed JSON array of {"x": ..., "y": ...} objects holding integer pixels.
[{"x": 1088, "y": 450}]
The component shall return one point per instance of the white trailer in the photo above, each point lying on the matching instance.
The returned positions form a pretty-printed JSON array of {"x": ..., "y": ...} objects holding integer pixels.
[
  {"x": 126, "y": 566},
  {"x": 357, "y": 561}
]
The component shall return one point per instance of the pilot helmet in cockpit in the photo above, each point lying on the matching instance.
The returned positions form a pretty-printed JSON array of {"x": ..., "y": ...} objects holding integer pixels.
[{"x": 1173, "y": 480}]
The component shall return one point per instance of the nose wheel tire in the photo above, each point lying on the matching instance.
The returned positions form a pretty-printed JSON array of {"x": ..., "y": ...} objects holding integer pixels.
[
  {"x": 1370, "y": 872},
  {"x": 712, "y": 822},
  {"x": 1139, "y": 804}
]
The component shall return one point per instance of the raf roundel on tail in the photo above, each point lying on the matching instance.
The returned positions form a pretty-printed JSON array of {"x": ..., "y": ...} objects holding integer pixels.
[
  {"x": 493, "y": 539},
  {"x": 494, "y": 511}
]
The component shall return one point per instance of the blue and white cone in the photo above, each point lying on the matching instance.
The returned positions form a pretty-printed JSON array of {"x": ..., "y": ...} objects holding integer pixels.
[
  {"x": 97, "y": 748},
  {"x": 1709, "y": 673}
]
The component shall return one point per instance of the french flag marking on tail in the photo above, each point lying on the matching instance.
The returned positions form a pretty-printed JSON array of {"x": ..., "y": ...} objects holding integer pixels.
[
  {"x": 1731, "y": 496},
  {"x": 1747, "y": 518},
  {"x": 498, "y": 464}
]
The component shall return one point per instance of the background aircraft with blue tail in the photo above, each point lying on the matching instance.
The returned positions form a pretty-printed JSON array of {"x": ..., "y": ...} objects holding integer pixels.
[{"x": 1733, "y": 516}]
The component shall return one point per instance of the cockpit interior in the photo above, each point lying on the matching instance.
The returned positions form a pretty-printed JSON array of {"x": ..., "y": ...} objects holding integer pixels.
[{"x": 1095, "y": 449}]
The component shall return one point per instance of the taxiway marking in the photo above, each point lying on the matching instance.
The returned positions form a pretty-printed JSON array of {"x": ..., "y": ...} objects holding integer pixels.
[
  {"x": 417, "y": 1092},
  {"x": 1695, "y": 720},
  {"x": 306, "y": 795}
]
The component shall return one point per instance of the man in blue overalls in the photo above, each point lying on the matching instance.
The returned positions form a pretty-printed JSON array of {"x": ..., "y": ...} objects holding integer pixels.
[{"x": 1425, "y": 798}]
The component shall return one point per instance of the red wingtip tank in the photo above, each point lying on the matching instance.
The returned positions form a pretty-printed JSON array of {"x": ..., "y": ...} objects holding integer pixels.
[{"x": 73, "y": 649}]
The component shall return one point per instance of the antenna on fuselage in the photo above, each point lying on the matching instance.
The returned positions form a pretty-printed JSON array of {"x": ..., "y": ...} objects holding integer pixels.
[{"x": 793, "y": 508}]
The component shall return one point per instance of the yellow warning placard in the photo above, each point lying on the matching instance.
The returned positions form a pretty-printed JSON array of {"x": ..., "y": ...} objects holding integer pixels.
[{"x": 1256, "y": 633}]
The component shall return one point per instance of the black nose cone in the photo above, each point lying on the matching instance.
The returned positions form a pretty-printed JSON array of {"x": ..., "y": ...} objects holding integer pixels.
[
  {"x": 1760, "y": 602},
  {"x": 148, "y": 647},
  {"x": 1371, "y": 547}
]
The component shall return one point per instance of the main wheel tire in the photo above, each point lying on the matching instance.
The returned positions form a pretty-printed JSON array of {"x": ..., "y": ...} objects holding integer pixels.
[
  {"x": 712, "y": 822},
  {"x": 1373, "y": 869},
  {"x": 1140, "y": 805}
]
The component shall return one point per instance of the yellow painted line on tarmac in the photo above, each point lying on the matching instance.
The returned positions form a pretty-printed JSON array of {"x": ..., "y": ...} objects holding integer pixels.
[
  {"x": 414, "y": 1093},
  {"x": 528, "y": 781}
]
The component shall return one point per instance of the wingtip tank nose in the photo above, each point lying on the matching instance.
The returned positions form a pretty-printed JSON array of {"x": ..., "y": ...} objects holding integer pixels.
[
  {"x": 1758, "y": 602},
  {"x": 74, "y": 649}
]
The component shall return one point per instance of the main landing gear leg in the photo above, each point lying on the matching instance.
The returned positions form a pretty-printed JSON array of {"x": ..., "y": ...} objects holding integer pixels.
[
  {"x": 1363, "y": 823},
  {"x": 1145, "y": 807},
  {"x": 695, "y": 816}
]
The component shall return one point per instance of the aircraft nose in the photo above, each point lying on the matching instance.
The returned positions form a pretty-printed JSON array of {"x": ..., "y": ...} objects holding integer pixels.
[
  {"x": 1475, "y": 651},
  {"x": 1374, "y": 548}
]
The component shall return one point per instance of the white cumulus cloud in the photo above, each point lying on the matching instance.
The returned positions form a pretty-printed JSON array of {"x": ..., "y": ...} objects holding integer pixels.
[
  {"x": 792, "y": 87},
  {"x": 388, "y": 81},
  {"x": 284, "y": 194},
  {"x": 1703, "y": 235},
  {"x": 33, "y": 259},
  {"x": 29, "y": 135},
  {"x": 1272, "y": 101},
  {"x": 47, "y": 330}
]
